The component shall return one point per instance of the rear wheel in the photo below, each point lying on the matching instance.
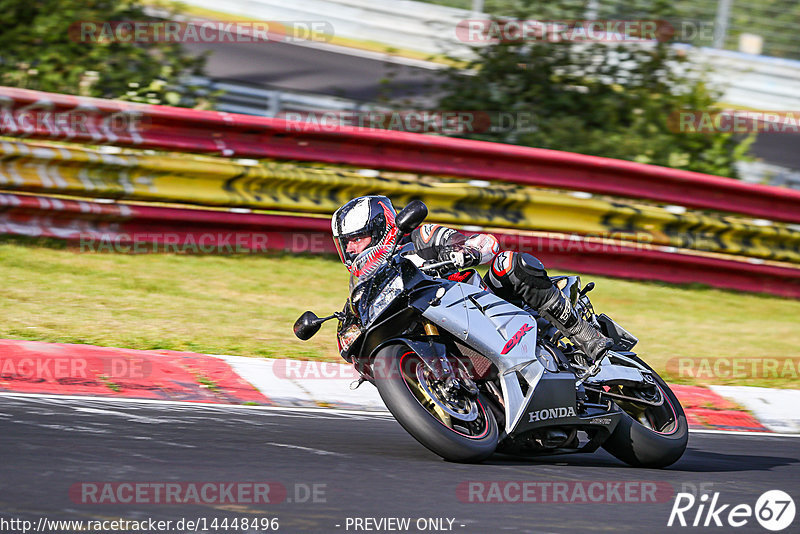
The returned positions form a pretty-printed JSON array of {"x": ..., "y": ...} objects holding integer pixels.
[
  {"x": 647, "y": 435},
  {"x": 451, "y": 424}
]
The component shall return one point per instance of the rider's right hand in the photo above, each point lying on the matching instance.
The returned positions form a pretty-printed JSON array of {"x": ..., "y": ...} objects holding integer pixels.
[{"x": 465, "y": 257}]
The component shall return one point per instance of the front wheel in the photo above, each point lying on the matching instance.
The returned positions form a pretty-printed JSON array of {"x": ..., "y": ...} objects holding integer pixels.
[
  {"x": 454, "y": 426},
  {"x": 649, "y": 436}
]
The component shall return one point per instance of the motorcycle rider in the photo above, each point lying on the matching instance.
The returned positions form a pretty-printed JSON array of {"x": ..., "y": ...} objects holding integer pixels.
[{"x": 367, "y": 224}]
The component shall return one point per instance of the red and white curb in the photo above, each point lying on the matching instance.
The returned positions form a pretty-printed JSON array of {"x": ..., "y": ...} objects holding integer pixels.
[
  {"x": 307, "y": 383},
  {"x": 64, "y": 369},
  {"x": 777, "y": 409},
  {"x": 310, "y": 383}
]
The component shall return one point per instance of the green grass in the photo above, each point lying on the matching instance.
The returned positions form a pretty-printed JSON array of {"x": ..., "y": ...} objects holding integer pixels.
[{"x": 246, "y": 305}]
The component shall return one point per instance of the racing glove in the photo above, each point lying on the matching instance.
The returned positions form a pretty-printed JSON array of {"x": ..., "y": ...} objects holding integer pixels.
[
  {"x": 465, "y": 257},
  {"x": 485, "y": 245}
]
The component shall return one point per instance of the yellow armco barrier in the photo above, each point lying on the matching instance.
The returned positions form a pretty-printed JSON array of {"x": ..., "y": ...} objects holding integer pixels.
[{"x": 310, "y": 188}]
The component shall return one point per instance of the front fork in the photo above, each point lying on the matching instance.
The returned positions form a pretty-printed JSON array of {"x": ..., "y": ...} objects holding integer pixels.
[
  {"x": 453, "y": 379},
  {"x": 433, "y": 355}
]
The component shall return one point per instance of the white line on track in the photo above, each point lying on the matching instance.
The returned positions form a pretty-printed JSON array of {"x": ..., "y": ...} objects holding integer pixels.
[
  {"x": 208, "y": 405},
  {"x": 303, "y": 409},
  {"x": 307, "y": 449},
  {"x": 741, "y": 433}
]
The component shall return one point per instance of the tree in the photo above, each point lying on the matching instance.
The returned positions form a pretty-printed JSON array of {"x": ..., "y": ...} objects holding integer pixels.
[
  {"x": 612, "y": 100},
  {"x": 40, "y": 49}
]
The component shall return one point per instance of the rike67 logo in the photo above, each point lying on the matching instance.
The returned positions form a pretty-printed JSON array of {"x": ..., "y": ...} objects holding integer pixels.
[{"x": 774, "y": 510}]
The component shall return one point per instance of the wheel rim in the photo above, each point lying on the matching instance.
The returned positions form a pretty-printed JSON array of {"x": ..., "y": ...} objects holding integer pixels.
[
  {"x": 464, "y": 416},
  {"x": 661, "y": 419},
  {"x": 461, "y": 408}
]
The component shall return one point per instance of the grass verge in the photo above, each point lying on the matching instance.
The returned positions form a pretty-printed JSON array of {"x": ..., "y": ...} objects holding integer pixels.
[{"x": 246, "y": 305}]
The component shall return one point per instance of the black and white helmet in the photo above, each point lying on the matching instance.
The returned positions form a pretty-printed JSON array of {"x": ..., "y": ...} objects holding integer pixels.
[{"x": 368, "y": 216}]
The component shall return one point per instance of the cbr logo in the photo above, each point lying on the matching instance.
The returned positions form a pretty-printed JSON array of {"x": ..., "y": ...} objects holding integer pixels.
[
  {"x": 517, "y": 338},
  {"x": 551, "y": 413}
]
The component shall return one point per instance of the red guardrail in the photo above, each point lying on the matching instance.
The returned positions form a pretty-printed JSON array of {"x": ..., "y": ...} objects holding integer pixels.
[
  {"x": 129, "y": 228},
  {"x": 36, "y": 114}
]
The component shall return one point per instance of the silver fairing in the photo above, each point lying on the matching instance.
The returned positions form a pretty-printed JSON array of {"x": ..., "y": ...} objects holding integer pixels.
[{"x": 489, "y": 324}]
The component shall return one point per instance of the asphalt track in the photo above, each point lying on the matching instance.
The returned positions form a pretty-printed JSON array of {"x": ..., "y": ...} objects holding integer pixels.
[
  {"x": 334, "y": 71},
  {"x": 367, "y": 463}
]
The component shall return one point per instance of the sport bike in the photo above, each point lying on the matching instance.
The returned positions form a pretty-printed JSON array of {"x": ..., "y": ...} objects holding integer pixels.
[{"x": 468, "y": 374}]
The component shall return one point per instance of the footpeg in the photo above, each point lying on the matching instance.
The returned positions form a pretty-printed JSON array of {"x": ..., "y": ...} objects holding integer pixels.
[{"x": 590, "y": 372}]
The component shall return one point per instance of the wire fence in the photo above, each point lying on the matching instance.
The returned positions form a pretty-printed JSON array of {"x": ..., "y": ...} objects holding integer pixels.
[{"x": 767, "y": 27}]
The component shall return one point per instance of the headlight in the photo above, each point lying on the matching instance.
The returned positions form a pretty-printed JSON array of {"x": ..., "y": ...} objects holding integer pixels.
[
  {"x": 385, "y": 297},
  {"x": 356, "y": 296}
]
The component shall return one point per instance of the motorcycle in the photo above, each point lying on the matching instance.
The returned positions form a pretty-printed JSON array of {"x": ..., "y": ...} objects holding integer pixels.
[{"x": 468, "y": 374}]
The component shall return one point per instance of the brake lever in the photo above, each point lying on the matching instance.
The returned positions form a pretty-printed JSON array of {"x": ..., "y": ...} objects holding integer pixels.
[{"x": 437, "y": 265}]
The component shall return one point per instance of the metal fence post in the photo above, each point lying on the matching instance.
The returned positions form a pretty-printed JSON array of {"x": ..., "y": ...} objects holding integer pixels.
[
  {"x": 721, "y": 22},
  {"x": 592, "y": 8}
]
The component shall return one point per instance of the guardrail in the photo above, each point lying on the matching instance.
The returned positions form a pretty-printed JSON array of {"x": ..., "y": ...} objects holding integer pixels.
[
  {"x": 765, "y": 173},
  {"x": 594, "y": 235},
  {"x": 99, "y": 227},
  {"x": 251, "y": 99},
  {"x": 303, "y": 188},
  {"x": 239, "y": 97},
  {"x": 231, "y": 135},
  {"x": 757, "y": 82},
  {"x": 115, "y": 227}
]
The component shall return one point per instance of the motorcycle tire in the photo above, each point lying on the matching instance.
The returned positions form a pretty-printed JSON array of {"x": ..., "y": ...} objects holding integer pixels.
[
  {"x": 640, "y": 446},
  {"x": 418, "y": 421}
]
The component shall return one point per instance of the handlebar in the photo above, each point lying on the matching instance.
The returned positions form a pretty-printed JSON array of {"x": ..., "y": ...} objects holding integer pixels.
[{"x": 438, "y": 265}]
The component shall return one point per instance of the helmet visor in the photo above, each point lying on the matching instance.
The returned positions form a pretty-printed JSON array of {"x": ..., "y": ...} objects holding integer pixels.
[{"x": 351, "y": 245}]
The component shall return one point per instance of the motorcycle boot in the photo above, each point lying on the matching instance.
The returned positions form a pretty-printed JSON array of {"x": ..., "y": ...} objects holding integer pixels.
[
  {"x": 516, "y": 276},
  {"x": 558, "y": 310}
]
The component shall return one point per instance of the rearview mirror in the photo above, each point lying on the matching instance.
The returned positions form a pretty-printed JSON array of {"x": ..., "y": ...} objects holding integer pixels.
[
  {"x": 411, "y": 216},
  {"x": 307, "y": 325}
]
